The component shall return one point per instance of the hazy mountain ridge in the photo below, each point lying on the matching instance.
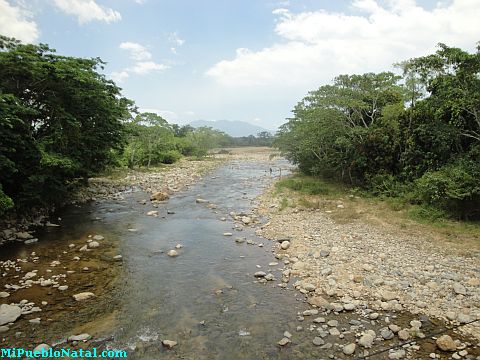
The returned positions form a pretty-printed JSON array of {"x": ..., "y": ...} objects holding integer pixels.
[{"x": 232, "y": 128}]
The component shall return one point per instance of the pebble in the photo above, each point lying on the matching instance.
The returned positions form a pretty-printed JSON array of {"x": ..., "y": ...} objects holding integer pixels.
[
  {"x": 81, "y": 337},
  {"x": 446, "y": 343},
  {"x": 397, "y": 354},
  {"x": 260, "y": 274},
  {"x": 366, "y": 340},
  {"x": 41, "y": 348},
  {"x": 349, "y": 349},
  {"x": 169, "y": 343},
  {"x": 318, "y": 341},
  {"x": 284, "y": 341},
  {"x": 285, "y": 245},
  {"x": 172, "y": 253},
  {"x": 404, "y": 335},
  {"x": 459, "y": 289},
  {"x": 83, "y": 296}
]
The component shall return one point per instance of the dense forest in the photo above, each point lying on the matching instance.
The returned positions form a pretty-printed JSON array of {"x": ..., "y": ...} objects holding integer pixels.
[
  {"x": 415, "y": 136},
  {"x": 62, "y": 121}
]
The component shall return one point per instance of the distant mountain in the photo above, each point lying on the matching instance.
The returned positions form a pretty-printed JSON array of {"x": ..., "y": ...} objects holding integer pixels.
[{"x": 232, "y": 128}]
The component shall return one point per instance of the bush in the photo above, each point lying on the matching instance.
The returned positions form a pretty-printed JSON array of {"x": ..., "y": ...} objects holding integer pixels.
[
  {"x": 169, "y": 157},
  {"x": 454, "y": 188},
  {"x": 6, "y": 203}
]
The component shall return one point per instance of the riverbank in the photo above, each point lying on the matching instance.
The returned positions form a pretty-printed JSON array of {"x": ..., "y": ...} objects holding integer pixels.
[{"x": 337, "y": 251}]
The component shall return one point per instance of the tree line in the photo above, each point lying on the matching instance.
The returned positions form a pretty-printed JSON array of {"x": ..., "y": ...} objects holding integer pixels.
[
  {"x": 62, "y": 121},
  {"x": 415, "y": 136}
]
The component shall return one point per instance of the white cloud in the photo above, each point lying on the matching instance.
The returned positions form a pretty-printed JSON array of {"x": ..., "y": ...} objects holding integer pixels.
[
  {"x": 87, "y": 10},
  {"x": 145, "y": 67},
  {"x": 176, "y": 40},
  {"x": 143, "y": 64},
  {"x": 119, "y": 76},
  {"x": 137, "y": 52},
  {"x": 318, "y": 45},
  {"x": 15, "y": 22}
]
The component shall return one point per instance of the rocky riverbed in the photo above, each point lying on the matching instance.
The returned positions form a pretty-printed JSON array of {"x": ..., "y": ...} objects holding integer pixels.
[
  {"x": 193, "y": 272},
  {"x": 405, "y": 285}
]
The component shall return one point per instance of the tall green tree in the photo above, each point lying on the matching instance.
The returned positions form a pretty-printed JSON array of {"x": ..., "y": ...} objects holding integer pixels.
[{"x": 60, "y": 120}]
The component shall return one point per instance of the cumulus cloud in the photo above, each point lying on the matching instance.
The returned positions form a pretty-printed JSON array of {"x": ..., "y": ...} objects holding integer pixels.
[
  {"x": 316, "y": 46},
  {"x": 137, "y": 51},
  {"x": 15, "y": 22},
  {"x": 145, "y": 67},
  {"x": 143, "y": 64},
  {"x": 87, "y": 11},
  {"x": 119, "y": 76}
]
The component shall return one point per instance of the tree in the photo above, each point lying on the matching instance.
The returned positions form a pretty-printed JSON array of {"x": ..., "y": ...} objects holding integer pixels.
[{"x": 60, "y": 121}]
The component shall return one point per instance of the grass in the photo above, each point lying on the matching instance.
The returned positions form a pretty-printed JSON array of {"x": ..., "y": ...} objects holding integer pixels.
[
  {"x": 309, "y": 185},
  {"x": 314, "y": 193}
]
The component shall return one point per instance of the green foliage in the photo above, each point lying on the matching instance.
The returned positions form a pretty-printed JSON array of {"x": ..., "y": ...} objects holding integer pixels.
[
  {"x": 6, "y": 203},
  {"x": 359, "y": 131},
  {"x": 60, "y": 119}
]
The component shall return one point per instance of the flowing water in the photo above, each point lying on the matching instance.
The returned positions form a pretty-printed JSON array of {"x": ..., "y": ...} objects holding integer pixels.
[{"x": 206, "y": 299}]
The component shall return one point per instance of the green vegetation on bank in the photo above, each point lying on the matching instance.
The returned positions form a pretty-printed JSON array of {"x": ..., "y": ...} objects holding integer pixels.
[
  {"x": 62, "y": 121},
  {"x": 414, "y": 137}
]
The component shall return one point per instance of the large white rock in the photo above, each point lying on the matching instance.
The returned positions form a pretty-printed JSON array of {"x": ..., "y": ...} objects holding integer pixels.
[{"x": 9, "y": 313}]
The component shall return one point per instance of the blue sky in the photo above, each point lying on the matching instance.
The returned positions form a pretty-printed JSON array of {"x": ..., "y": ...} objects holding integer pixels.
[{"x": 249, "y": 60}]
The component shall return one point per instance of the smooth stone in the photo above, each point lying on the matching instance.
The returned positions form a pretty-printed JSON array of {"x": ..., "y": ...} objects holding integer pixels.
[
  {"x": 318, "y": 341},
  {"x": 366, "y": 340},
  {"x": 4, "y": 329},
  {"x": 285, "y": 245},
  {"x": 4, "y": 294},
  {"x": 83, "y": 296},
  {"x": 41, "y": 348},
  {"x": 459, "y": 289},
  {"x": 169, "y": 343},
  {"x": 98, "y": 237},
  {"x": 349, "y": 349},
  {"x": 93, "y": 244},
  {"x": 404, "y": 335},
  {"x": 81, "y": 337},
  {"x": 446, "y": 343},
  {"x": 284, "y": 341},
  {"x": 172, "y": 253},
  {"x": 260, "y": 274},
  {"x": 9, "y": 313},
  {"x": 396, "y": 355},
  {"x": 63, "y": 287}
]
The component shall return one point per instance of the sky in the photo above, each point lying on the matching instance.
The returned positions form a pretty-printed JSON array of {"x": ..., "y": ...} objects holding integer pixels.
[{"x": 248, "y": 60}]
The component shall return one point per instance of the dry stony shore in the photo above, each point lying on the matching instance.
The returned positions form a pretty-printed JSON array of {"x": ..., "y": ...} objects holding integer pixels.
[{"x": 378, "y": 267}]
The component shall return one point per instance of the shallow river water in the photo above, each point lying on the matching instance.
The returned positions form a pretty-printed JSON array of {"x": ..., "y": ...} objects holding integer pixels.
[{"x": 206, "y": 299}]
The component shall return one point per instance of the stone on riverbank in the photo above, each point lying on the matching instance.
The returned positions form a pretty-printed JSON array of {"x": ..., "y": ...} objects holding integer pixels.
[
  {"x": 169, "y": 343},
  {"x": 9, "y": 313},
  {"x": 83, "y": 296},
  {"x": 446, "y": 343}
]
